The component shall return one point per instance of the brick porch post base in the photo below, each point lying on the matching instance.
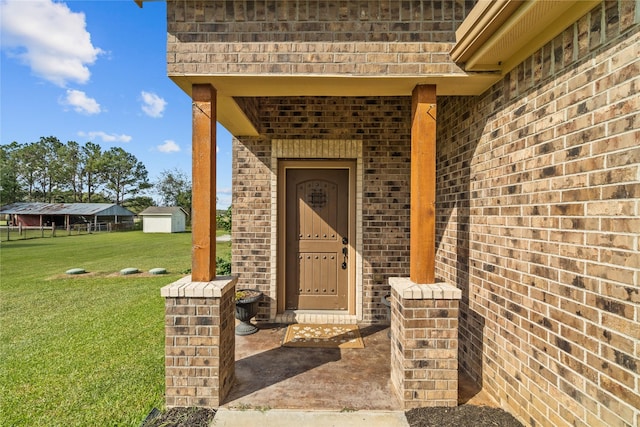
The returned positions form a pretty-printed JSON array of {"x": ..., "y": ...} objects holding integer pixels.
[
  {"x": 424, "y": 343},
  {"x": 199, "y": 341}
]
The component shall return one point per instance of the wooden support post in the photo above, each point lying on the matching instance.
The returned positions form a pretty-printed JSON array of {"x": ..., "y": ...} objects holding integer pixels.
[
  {"x": 423, "y": 184},
  {"x": 203, "y": 255}
]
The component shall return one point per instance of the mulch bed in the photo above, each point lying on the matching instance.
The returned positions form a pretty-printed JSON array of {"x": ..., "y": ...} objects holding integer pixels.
[
  {"x": 464, "y": 415},
  {"x": 182, "y": 417}
]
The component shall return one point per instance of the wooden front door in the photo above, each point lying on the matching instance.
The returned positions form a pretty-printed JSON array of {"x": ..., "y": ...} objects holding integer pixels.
[{"x": 318, "y": 264}]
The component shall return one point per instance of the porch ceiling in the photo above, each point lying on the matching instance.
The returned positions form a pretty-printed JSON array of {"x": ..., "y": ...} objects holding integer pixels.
[{"x": 230, "y": 86}]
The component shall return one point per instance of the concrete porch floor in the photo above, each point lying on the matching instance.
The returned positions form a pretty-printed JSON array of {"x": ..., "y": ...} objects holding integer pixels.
[{"x": 269, "y": 376}]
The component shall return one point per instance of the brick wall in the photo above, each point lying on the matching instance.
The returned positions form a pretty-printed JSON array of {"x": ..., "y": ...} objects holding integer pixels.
[
  {"x": 383, "y": 125},
  {"x": 424, "y": 343},
  {"x": 251, "y": 212},
  {"x": 199, "y": 342},
  {"x": 538, "y": 225},
  {"x": 313, "y": 37}
]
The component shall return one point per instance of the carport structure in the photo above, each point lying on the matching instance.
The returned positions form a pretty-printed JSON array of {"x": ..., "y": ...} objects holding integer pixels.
[{"x": 65, "y": 215}]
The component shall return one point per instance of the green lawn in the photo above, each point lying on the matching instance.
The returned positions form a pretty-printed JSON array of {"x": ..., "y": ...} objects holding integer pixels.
[{"x": 85, "y": 350}]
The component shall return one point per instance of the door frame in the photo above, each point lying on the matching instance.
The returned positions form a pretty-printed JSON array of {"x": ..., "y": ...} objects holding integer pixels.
[{"x": 283, "y": 166}]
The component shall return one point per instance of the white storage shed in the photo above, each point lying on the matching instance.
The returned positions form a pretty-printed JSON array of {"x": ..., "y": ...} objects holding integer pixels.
[{"x": 171, "y": 219}]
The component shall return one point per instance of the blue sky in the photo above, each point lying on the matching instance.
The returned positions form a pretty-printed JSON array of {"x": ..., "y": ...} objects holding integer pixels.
[{"x": 96, "y": 71}]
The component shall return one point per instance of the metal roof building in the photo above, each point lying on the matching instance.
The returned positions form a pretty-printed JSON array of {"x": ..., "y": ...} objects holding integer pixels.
[{"x": 64, "y": 214}]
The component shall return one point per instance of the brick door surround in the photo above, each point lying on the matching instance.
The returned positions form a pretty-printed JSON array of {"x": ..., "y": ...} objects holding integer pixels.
[{"x": 314, "y": 149}]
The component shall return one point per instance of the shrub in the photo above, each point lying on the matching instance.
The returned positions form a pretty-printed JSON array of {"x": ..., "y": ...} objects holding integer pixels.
[
  {"x": 223, "y": 220},
  {"x": 223, "y": 267}
]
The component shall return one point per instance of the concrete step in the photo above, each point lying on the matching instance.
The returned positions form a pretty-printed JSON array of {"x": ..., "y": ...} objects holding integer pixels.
[{"x": 296, "y": 418}]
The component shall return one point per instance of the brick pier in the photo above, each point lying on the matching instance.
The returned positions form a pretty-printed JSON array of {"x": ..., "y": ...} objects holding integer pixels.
[
  {"x": 199, "y": 341},
  {"x": 424, "y": 343}
]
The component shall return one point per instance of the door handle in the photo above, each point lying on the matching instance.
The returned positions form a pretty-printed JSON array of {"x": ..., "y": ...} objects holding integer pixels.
[{"x": 345, "y": 252}]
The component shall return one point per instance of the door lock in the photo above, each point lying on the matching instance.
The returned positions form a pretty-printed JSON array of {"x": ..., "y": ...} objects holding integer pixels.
[
  {"x": 345, "y": 253},
  {"x": 345, "y": 241}
]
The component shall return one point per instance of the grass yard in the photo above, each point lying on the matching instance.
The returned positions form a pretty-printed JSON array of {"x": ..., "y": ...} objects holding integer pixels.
[{"x": 85, "y": 350}]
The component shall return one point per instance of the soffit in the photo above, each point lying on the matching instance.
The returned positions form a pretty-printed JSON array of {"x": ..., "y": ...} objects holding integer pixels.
[
  {"x": 230, "y": 86},
  {"x": 497, "y": 35}
]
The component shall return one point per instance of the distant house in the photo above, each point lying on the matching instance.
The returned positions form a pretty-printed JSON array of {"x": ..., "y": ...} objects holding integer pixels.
[
  {"x": 171, "y": 219},
  {"x": 65, "y": 215}
]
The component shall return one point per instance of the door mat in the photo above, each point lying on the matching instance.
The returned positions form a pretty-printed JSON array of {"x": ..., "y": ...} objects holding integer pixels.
[{"x": 323, "y": 336}]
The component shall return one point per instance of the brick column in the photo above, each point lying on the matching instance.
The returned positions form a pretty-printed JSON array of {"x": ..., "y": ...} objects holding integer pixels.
[
  {"x": 199, "y": 341},
  {"x": 424, "y": 343}
]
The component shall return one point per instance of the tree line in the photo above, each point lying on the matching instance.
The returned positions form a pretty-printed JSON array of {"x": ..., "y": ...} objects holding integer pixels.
[{"x": 54, "y": 172}]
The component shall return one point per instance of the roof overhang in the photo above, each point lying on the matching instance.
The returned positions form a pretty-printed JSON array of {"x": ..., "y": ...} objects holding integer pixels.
[
  {"x": 497, "y": 35},
  {"x": 235, "y": 121}
]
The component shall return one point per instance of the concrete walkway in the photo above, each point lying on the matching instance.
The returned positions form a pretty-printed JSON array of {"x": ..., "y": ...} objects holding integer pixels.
[
  {"x": 295, "y": 418},
  {"x": 268, "y": 375},
  {"x": 318, "y": 387}
]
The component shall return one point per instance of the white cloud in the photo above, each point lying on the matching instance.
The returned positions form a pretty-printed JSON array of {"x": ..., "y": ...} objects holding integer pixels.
[
  {"x": 105, "y": 137},
  {"x": 152, "y": 104},
  {"x": 80, "y": 102},
  {"x": 169, "y": 146},
  {"x": 49, "y": 38}
]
